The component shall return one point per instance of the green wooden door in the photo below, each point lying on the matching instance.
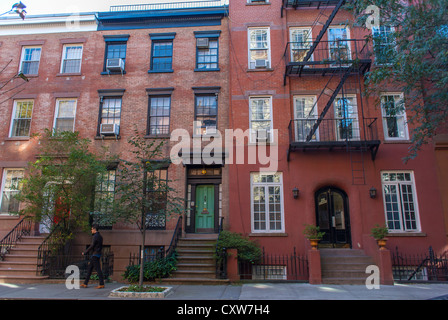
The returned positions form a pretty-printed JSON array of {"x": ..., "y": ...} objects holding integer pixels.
[{"x": 205, "y": 208}]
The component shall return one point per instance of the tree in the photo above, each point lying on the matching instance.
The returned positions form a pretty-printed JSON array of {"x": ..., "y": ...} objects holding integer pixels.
[
  {"x": 143, "y": 195},
  {"x": 417, "y": 61},
  {"x": 59, "y": 186}
]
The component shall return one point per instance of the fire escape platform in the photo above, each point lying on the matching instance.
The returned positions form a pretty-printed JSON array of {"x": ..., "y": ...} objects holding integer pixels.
[
  {"x": 323, "y": 68},
  {"x": 309, "y": 3},
  {"x": 369, "y": 145}
]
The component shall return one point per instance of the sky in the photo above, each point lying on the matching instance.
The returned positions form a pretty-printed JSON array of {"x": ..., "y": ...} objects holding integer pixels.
[{"x": 34, "y": 7}]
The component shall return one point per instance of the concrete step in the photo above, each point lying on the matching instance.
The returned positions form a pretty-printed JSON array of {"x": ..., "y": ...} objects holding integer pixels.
[
  {"x": 196, "y": 281},
  {"x": 197, "y": 266},
  {"x": 20, "y": 279},
  {"x": 18, "y": 272},
  {"x": 193, "y": 274},
  {"x": 21, "y": 258}
]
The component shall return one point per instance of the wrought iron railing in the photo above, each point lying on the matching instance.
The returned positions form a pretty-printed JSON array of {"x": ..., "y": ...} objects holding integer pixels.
[
  {"x": 23, "y": 228},
  {"x": 336, "y": 129},
  {"x": 170, "y": 5},
  {"x": 221, "y": 255},
  {"x": 424, "y": 267},
  {"x": 276, "y": 267},
  {"x": 55, "y": 244},
  {"x": 175, "y": 239}
]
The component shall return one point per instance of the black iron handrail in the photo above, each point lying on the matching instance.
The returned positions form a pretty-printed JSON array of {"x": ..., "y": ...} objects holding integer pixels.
[
  {"x": 54, "y": 244},
  {"x": 10, "y": 240},
  {"x": 221, "y": 255},
  {"x": 175, "y": 239}
]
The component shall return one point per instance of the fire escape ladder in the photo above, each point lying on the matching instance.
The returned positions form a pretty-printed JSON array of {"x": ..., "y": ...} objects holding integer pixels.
[
  {"x": 330, "y": 101},
  {"x": 322, "y": 32}
]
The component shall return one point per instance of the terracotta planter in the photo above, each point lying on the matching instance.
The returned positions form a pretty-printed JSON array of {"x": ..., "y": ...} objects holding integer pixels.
[
  {"x": 314, "y": 243},
  {"x": 382, "y": 243}
]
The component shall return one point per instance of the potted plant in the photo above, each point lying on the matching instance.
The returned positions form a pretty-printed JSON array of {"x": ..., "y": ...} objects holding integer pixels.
[
  {"x": 379, "y": 234},
  {"x": 313, "y": 234}
]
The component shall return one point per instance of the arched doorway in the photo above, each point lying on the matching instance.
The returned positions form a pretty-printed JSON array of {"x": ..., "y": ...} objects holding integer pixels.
[{"x": 333, "y": 218}]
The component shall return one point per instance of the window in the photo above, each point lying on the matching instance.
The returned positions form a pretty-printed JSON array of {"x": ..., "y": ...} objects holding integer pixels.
[
  {"x": 29, "y": 63},
  {"x": 71, "y": 58},
  {"x": 305, "y": 116},
  {"x": 21, "y": 118},
  {"x": 11, "y": 186},
  {"x": 267, "y": 202},
  {"x": 104, "y": 198},
  {"x": 111, "y": 111},
  {"x": 300, "y": 43},
  {"x": 339, "y": 46},
  {"x": 400, "y": 201},
  {"x": 115, "y": 56},
  {"x": 157, "y": 181},
  {"x": 383, "y": 43},
  {"x": 394, "y": 117},
  {"x": 159, "y": 115},
  {"x": 162, "y": 52},
  {"x": 346, "y": 116},
  {"x": 64, "y": 118},
  {"x": 206, "y": 113},
  {"x": 207, "y": 50},
  {"x": 260, "y": 117},
  {"x": 259, "y": 48}
]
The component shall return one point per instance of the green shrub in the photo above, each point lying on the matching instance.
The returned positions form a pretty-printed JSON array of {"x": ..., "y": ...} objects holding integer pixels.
[
  {"x": 247, "y": 250},
  {"x": 160, "y": 268}
]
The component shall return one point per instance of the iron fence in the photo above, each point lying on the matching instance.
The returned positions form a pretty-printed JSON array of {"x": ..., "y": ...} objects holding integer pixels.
[
  {"x": 424, "y": 267},
  {"x": 276, "y": 267}
]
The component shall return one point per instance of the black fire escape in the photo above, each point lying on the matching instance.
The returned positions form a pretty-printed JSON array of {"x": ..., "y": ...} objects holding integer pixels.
[{"x": 343, "y": 62}]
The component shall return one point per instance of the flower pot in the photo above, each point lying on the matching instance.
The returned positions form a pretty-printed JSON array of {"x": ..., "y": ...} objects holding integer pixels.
[
  {"x": 314, "y": 243},
  {"x": 382, "y": 243}
]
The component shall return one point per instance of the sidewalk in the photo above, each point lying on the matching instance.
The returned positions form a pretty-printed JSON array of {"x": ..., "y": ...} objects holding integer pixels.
[{"x": 250, "y": 292}]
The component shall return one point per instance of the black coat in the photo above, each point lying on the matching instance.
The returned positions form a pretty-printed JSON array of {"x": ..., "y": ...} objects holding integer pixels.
[{"x": 97, "y": 244}]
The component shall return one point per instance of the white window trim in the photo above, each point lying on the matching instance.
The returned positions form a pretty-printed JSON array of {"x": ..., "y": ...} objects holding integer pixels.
[
  {"x": 56, "y": 111},
  {"x": 383, "y": 117},
  {"x": 23, "y": 57},
  {"x": 356, "y": 130},
  {"x": 252, "y": 135},
  {"x": 313, "y": 116},
  {"x": 310, "y": 39},
  {"x": 11, "y": 124},
  {"x": 267, "y": 184},
  {"x": 375, "y": 29},
  {"x": 268, "y": 49},
  {"x": 2, "y": 187},
  {"x": 64, "y": 53},
  {"x": 400, "y": 207},
  {"x": 349, "y": 43}
]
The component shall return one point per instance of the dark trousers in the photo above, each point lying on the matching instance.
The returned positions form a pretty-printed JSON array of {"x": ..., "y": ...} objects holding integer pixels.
[{"x": 94, "y": 263}]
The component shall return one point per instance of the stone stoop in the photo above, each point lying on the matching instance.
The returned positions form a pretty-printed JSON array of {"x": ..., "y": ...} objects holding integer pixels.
[
  {"x": 195, "y": 261},
  {"x": 19, "y": 265},
  {"x": 344, "y": 266}
]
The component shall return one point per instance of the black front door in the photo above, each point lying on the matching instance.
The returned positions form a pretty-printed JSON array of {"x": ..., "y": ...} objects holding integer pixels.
[{"x": 332, "y": 217}]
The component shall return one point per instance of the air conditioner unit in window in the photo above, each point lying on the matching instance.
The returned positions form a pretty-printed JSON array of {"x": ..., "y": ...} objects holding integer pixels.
[
  {"x": 202, "y": 42},
  {"x": 210, "y": 130},
  {"x": 263, "y": 135},
  {"x": 110, "y": 129},
  {"x": 116, "y": 64},
  {"x": 261, "y": 63}
]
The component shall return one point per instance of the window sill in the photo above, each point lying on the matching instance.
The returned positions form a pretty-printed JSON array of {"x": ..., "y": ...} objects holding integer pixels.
[
  {"x": 68, "y": 74},
  {"x": 157, "y": 136},
  {"x": 406, "y": 234},
  {"x": 260, "y": 70},
  {"x": 17, "y": 139},
  {"x": 206, "y": 70},
  {"x": 105, "y": 73},
  {"x": 34, "y": 75},
  {"x": 401, "y": 141},
  {"x": 268, "y": 234},
  {"x": 161, "y": 71},
  {"x": 8, "y": 216},
  {"x": 108, "y": 137},
  {"x": 260, "y": 3}
]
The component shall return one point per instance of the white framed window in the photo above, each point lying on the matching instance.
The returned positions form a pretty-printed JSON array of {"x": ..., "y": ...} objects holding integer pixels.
[
  {"x": 305, "y": 116},
  {"x": 64, "y": 115},
  {"x": 267, "y": 209},
  {"x": 400, "y": 201},
  {"x": 383, "y": 43},
  {"x": 346, "y": 117},
  {"x": 259, "y": 48},
  {"x": 21, "y": 118},
  {"x": 29, "y": 62},
  {"x": 339, "y": 47},
  {"x": 394, "y": 116},
  {"x": 301, "y": 41},
  {"x": 71, "y": 58},
  {"x": 11, "y": 186},
  {"x": 260, "y": 117}
]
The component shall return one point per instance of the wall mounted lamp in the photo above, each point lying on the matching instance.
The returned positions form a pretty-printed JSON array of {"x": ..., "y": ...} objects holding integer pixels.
[
  {"x": 295, "y": 193},
  {"x": 372, "y": 193}
]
